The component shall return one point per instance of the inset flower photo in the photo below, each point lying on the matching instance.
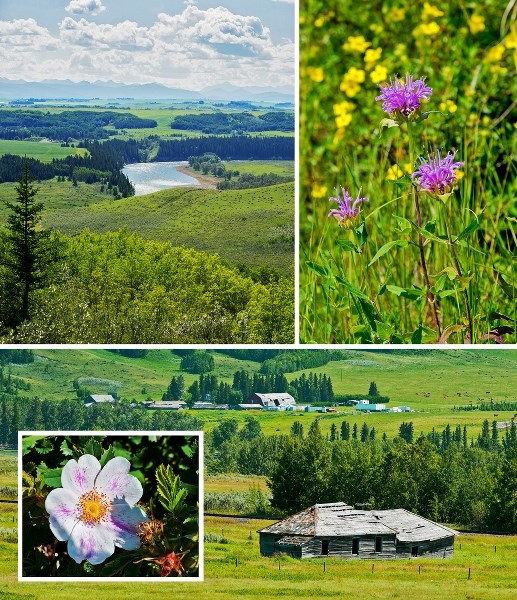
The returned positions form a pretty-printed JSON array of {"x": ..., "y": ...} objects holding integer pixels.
[{"x": 97, "y": 505}]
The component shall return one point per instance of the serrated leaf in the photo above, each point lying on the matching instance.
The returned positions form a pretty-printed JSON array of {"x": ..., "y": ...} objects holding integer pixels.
[
  {"x": 386, "y": 248},
  {"x": 65, "y": 450},
  {"x": 93, "y": 447},
  {"x": 29, "y": 441},
  {"x": 50, "y": 477},
  {"x": 44, "y": 447}
]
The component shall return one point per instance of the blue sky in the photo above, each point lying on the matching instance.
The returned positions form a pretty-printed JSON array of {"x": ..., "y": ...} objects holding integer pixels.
[{"x": 178, "y": 43}]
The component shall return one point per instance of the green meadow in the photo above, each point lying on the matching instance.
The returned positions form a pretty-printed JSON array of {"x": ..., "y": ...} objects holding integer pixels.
[
  {"x": 432, "y": 383},
  {"x": 44, "y": 151}
]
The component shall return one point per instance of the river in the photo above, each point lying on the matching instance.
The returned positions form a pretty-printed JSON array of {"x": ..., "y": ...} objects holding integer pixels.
[{"x": 155, "y": 176}]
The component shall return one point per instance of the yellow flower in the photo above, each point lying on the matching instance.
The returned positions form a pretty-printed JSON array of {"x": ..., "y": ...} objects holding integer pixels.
[
  {"x": 476, "y": 23},
  {"x": 495, "y": 54},
  {"x": 394, "y": 173},
  {"x": 351, "y": 80},
  {"x": 316, "y": 74},
  {"x": 510, "y": 41},
  {"x": 319, "y": 22},
  {"x": 426, "y": 29},
  {"x": 399, "y": 49},
  {"x": 319, "y": 191},
  {"x": 376, "y": 28},
  {"x": 356, "y": 44},
  {"x": 459, "y": 174},
  {"x": 496, "y": 69},
  {"x": 343, "y": 107},
  {"x": 379, "y": 74},
  {"x": 372, "y": 56},
  {"x": 448, "y": 106},
  {"x": 396, "y": 14},
  {"x": 354, "y": 75},
  {"x": 343, "y": 120},
  {"x": 430, "y": 12},
  {"x": 486, "y": 120},
  {"x": 408, "y": 168},
  {"x": 302, "y": 20}
]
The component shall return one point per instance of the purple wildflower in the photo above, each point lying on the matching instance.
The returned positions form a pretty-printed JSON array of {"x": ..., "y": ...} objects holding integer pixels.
[
  {"x": 403, "y": 98},
  {"x": 437, "y": 175},
  {"x": 348, "y": 208}
]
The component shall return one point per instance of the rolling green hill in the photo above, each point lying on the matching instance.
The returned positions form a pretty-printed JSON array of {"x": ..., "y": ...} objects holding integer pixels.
[
  {"x": 404, "y": 377},
  {"x": 254, "y": 227}
]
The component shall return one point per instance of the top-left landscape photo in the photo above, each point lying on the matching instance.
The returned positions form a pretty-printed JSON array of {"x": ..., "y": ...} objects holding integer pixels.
[{"x": 147, "y": 172}]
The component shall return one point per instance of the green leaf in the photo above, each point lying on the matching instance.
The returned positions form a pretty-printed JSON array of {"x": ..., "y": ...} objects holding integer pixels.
[
  {"x": 369, "y": 312},
  {"x": 347, "y": 246},
  {"x": 428, "y": 235},
  {"x": 65, "y": 449},
  {"x": 416, "y": 338},
  {"x": 361, "y": 234},
  {"x": 388, "y": 123},
  {"x": 44, "y": 447},
  {"x": 410, "y": 294},
  {"x": 50, "y": 477},
  {"x": 404, "y": 226},
  {"x": 107, "y": 455},
  {"x": 29, "y": 441},
  {"x": 386, "y": 248},
  {"x": 471, "y": 227},
  {"x": 384, "y": 330},
  {"x": 170, "y": 489},
  {"x": 317, "y": 268},
  {"x": 508, "y": 289},
  {"x": 430, "y": 226},
  {"x": 353, "y": 290},
  {"x": 93, "y": 447}
]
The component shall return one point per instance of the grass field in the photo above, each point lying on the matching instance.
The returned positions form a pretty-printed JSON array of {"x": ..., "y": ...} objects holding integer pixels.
[
  {"x": 441, "y": 375},
  {"x": 44, "y": 151},
  {"x": 254, "y": 227},
  {"x": 257, "y": 167}
]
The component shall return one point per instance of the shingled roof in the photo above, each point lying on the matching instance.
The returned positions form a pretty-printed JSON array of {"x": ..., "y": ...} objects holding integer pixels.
[{"x": 340, "y": 519}]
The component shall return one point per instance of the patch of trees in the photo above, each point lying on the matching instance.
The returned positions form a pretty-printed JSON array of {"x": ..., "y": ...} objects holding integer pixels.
[
  {"x": 247, "y": 384},
  {"x": 489, "y": 406},
  {"x": 219, "y": 123},
  {"x": 120, "y": 288},
  {"x": 256, "y": 355},
  {"x": 298, "y": 360},
  {"x": 24, "y": 413},
  {"x": 313, "y": 388},
  {"x": 200, "y": 361},
  {"x": 249, "y": 180},
  {"x": 237, "y": 147},
  {"x": 131, "y": 352},
  {"x": 68, "y": 124},
  {"x": 16, "y": 357}
]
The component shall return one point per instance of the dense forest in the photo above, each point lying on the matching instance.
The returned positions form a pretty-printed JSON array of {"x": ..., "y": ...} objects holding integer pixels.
[
  {"x": 218, "y": 123},
  {"x": 66, "y": 125},
  {"x": 120, "y": 288},
  {"x": 236, "y": 147}
]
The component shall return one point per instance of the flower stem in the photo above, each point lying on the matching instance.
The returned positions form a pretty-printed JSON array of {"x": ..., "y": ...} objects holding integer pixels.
[
  {"x": 460, "y": 275},
  {"x": 430, "y": 296}
]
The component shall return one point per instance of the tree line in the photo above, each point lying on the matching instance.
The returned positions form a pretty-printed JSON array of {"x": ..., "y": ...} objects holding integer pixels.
[
  {"x": 218, "y": 123},
  {"x": 68, "y": 124}
]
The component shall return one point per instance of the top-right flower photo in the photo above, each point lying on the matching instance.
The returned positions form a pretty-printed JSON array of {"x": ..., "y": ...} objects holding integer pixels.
[{"x": 408, "y": 143}]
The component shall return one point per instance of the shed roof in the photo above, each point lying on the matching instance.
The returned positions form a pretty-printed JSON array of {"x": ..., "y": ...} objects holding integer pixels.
[
  {"x": 340, "y": 519},
  {"x": 100, "y": 398}
]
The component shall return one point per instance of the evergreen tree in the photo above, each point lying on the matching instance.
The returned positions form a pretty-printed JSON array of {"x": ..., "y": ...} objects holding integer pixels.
[
  {"x": 28, "y": 254},
  {"x": 373, "y": 391}
]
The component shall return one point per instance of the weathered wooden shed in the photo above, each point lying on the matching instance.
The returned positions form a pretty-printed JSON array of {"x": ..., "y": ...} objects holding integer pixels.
[{"x": 343, "y": 531}]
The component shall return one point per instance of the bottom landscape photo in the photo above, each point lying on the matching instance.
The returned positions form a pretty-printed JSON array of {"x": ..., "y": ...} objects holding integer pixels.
[{"x": 301, "y": 473}]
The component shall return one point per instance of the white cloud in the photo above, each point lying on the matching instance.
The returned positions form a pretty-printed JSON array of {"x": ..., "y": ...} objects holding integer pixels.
[
  {"x": 122, "y": 35},
  {"x": 25, "y": 34},
  {"x": 85, "y": 7}
]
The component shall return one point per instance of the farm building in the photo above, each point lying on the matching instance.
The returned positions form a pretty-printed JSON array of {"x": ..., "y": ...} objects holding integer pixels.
[
  {"x": 166, "y": 405},
  {"x": 343, "y": 531},
  {"x": 98, "y": 399},
  {"x": 276, "y": 399},
  {"x": 366, "y": 406}
]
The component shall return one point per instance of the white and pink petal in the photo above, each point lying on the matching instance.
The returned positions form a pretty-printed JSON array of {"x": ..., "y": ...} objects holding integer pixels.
[
  {"x": 124, "y": 523},
  {"x": 114, "y": 481},
  {"x": 63, "y": 508},
  {"x": 94, "y": 543},
  {"x": 79, "y": 476}
]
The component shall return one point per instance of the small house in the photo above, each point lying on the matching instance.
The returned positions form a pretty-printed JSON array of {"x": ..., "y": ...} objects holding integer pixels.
[
  {"x": 98, "y": 399},
  {"x": 365, "y": 406},
  {"x": 342, "y": 531},
  {"x": 166, "y": 405}
]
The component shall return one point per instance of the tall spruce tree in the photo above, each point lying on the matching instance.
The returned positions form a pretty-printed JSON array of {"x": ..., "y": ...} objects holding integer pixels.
[{"x": 27, "y": 252}]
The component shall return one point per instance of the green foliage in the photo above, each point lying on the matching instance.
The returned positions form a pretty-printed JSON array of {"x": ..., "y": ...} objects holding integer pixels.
[
  {"x": 200, "y": 361},
  {"x": 225, "y": 123}
]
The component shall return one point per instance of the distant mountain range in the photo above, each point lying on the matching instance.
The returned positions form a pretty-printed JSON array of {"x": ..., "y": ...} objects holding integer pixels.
[{"x": 61, "y": 89}]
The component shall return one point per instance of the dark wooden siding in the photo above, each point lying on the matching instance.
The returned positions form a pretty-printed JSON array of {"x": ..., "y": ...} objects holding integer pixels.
[
  {"x": 341, "y": 547},
  {"x": 442, "y": 548}
]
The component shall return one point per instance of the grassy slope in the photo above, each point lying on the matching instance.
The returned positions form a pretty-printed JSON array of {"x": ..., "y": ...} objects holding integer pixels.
[
  {"x": 404, "y": 378},
  {"x": 44, "y": 151},
  {"x": 242, "y": 226}
]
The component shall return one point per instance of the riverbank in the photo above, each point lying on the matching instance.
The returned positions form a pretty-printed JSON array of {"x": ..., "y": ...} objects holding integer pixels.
[{"x": 205, "y": 181}]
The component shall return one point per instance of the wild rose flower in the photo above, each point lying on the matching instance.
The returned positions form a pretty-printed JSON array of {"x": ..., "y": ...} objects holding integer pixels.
[
  {"x": 94, "y": 510},
  {"x": 403, "y": 98},
  {"x": 348, "y": 208},
  {"x": 437, "y": 175}
]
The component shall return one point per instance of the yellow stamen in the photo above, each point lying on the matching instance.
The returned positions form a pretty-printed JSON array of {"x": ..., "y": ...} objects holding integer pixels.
[{"x": 94, "y": 507}]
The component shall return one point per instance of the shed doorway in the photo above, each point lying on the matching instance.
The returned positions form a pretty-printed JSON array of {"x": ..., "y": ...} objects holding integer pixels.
[
  {"x": 355, "y": 546},
  {"x": 324, "y": 547}
]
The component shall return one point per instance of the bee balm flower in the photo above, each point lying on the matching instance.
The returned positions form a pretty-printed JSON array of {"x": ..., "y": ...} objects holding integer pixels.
[
  {"x": 348, "y": 208},
  {"x": 437, "y": 175},
  {"x": 403, "y": 98},
  {"x": 94, "y": 510}
]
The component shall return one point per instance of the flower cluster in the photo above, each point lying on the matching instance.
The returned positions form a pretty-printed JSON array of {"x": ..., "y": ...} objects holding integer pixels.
[
  {"x": 403, "y": 98},
  {"x": 437, "y": 175},
  {"x": 348, "y": 208},
  {"x": 94, "y": 510}
]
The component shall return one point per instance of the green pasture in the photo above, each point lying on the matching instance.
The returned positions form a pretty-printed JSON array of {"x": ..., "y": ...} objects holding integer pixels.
[
  {"x": 236, "y": 569},
  {"x": 43, "y": 151},
  {"x": 258, "y": 167},
  {"x": 254, "y": 226}
]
